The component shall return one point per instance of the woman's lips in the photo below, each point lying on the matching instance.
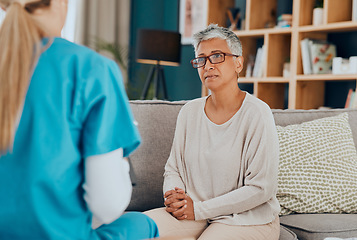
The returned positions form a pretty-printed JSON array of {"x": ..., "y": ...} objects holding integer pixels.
[{"x": 211, "y": 77}]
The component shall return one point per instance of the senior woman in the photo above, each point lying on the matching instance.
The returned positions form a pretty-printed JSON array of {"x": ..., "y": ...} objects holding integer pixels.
[{"x": 221, "y": 175}]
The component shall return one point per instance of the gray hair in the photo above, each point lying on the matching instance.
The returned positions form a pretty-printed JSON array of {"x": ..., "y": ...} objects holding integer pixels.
[{"x": 214, "y": 31}]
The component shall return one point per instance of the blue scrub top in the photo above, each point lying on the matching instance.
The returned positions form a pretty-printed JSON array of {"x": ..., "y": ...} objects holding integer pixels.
[{"x": 76, "y": 106}]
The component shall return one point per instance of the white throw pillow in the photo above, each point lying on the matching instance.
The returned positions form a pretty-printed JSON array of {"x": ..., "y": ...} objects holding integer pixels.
[{"x": 318, "y": 167}]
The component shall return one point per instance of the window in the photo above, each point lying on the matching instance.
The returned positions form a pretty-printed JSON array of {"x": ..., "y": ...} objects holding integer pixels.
[
  {"x": 68, "y": 30},
  {"x": 2, "y": 16},
  {"x": 69, "y": 27}
]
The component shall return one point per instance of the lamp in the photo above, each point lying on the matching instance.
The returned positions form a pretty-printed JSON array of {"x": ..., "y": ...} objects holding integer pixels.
[{"x": 157, "y": 47}]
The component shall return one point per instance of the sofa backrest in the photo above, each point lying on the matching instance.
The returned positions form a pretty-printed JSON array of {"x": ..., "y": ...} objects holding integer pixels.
[{"x": 156, "y": 123}]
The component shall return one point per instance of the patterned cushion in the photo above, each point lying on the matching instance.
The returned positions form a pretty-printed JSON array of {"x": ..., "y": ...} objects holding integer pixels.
[{"x": 318, "y": 167}]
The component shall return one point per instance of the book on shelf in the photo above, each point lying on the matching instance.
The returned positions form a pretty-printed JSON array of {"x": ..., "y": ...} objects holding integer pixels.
[
  {"x": 250, "y": 66},
  {"x": 351, "y": 100},
  {"x": 353, "y": 103},
  {"x": 257, "y": 62},
  {"x": 284, "y": 20},
  {"x": 258, "y": 70},
  {"x": 348, "y": 100},
  {"x": 305, "y": 55},
  {"x": 322, "y": 54},
  {"x": 262, "y": 63},
  {"x": 317, "y": 56},
  {"x": 354, "y": 10}
]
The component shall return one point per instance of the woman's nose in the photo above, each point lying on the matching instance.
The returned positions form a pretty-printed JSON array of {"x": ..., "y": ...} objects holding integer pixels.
[{"x": 208, "y": 65}]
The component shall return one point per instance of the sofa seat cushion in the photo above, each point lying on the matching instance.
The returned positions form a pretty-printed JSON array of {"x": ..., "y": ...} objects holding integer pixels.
[
  {"x": 320, "y": 226},
  {"x": 286, "y": 234}
]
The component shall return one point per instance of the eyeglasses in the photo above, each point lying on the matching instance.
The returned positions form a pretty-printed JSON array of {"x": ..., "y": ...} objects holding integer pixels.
[{"x": 213, "y": 58}]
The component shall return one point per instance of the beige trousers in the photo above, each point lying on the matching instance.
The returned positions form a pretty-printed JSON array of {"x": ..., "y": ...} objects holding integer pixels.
[{"x": 201, "y": 230}]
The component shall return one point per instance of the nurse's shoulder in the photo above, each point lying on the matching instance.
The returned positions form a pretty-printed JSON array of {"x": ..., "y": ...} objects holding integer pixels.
[{"x": 67, "y": 52}]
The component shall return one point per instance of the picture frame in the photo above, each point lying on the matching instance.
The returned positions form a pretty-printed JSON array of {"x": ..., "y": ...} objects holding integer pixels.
[{"x": 193, "y": 17}]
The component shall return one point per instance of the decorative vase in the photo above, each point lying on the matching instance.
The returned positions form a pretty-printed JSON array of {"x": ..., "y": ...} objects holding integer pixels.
[{"x": 317, "y": 16}]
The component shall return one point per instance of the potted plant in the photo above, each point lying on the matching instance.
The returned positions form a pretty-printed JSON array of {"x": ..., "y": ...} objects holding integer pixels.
[{"x": 119, "y": 53}]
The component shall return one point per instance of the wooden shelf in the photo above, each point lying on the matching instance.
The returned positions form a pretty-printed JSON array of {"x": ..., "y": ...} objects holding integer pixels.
[
  {"x": 275, "y": 80},
  {"x": 247, "y": 80},
  {"x": 263, "y": 80},
  {"x": 262, "y": 32},
  {"x": 326, "y": 77},
  {"x": 282, "y": 44},
  {"x": 331, "y": 27}
]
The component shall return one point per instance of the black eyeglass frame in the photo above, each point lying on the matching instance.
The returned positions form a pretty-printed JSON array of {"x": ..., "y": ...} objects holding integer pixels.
[{"x": 208, "y": 57}]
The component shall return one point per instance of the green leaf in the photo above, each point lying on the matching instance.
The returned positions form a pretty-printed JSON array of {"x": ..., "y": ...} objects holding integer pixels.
[{"x": 120, "y": 53}]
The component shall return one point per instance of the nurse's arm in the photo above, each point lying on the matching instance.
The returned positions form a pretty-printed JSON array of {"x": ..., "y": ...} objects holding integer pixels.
[{"x": 107, "y": 185}]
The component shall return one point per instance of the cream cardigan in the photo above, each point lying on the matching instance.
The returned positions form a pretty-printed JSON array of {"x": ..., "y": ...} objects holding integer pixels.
[{"x": 229, "y": 170}]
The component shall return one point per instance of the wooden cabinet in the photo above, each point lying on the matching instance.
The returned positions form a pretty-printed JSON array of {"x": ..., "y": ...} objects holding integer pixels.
[{"x": 301, "y": 91}]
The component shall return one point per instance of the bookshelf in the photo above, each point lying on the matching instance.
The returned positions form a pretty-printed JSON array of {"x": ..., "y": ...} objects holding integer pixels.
[
  {"x": 303, "y": 91},
  {"x": 217, "y": 14}
]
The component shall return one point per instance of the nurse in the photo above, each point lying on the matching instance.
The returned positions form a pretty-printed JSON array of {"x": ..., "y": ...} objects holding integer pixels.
[{"x": 65, "y": 128}]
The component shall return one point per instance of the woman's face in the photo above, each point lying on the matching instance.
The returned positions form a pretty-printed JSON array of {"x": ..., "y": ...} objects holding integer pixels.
[{"x": 220, "y": 75}]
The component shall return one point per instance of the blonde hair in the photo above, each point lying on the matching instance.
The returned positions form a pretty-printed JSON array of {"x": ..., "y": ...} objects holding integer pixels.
[{"x": 20, "y": 39}]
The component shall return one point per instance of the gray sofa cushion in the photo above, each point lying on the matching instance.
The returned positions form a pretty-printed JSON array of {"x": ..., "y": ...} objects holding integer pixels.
[
  {"x": 286, "y": 234},
  {"x": 156, "y": 124},
  {"x": 320, "y": 226},
  {"x": 288, "y": 117}
]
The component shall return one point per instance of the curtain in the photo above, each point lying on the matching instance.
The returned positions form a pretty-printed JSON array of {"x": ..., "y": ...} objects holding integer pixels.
[{"x": 107, "y": 20}]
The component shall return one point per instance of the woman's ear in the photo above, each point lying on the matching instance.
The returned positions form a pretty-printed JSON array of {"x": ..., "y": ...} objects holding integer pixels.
[{"x": 239, "y": 64}]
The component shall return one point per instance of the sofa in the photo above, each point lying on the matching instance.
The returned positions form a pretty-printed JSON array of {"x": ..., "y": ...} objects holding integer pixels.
[{"x": 156, "y": 123}]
